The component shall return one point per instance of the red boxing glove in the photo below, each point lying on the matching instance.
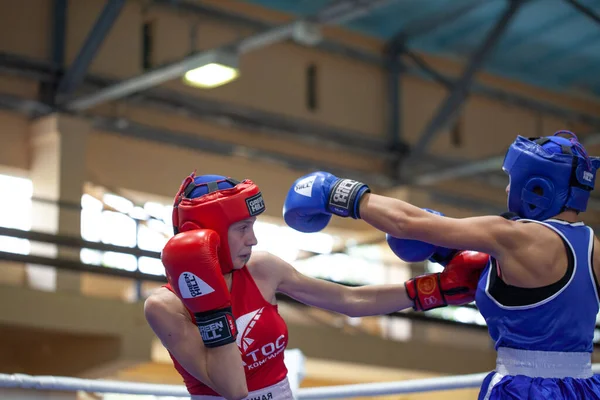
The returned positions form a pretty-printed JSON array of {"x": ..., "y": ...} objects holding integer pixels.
[
  {"x": 456, "y": 285},
  {"x": 191, "y": 262}
]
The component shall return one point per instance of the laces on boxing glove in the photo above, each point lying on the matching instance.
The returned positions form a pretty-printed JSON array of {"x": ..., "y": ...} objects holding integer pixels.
[
  {"x": 217, "y": 327},
  {"x": 344, "y": 197},
  {"x": 425, "y": 292}
]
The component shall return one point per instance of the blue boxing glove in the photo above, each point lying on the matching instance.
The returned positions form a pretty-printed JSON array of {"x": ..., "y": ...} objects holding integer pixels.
[
  {"x": 416, "y": 251},
  {"x": 312, "y": 200},
  {"x": 410, "y": 250}
]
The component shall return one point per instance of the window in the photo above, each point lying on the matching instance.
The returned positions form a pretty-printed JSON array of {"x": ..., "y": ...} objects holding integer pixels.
[
  {"x": 341, "y": 267},
  {"x": 287, "y": 243},
  {"x": 116, "y": 220},
  {"x": 15, "y": 211},
  {"x": 152, "y": 235}
]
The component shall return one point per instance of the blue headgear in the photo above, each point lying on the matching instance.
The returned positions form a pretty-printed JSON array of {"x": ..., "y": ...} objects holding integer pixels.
[{"x": 557, "y": 168}]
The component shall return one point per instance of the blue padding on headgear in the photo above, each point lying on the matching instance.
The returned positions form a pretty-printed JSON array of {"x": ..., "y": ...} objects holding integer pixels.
[
  {"x": 558, "y": 167},
  {"x": 222, "y": 183}
]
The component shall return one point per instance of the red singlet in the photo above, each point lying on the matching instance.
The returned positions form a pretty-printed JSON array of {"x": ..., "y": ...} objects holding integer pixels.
[{"x": 262, "y": 337}]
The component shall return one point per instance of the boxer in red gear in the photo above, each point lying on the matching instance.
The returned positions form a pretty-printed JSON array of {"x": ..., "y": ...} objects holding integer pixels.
[{"x": 218, "y": 316}]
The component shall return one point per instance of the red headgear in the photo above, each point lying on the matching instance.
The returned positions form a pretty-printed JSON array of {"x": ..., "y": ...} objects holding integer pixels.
[{"x": 216, "y": 209}]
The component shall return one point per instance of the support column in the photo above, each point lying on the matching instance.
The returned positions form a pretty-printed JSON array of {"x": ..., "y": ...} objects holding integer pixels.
[
  {"x": 394, "y": 125},
  {"x": 58, "y": 148}
]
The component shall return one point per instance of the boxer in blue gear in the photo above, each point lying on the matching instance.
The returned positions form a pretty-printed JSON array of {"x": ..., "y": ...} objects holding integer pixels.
[{"x": 539, "y": 291}]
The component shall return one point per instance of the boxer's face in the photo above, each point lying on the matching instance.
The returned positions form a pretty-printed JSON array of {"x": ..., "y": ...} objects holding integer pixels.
[{"x": 241, "y": 239}]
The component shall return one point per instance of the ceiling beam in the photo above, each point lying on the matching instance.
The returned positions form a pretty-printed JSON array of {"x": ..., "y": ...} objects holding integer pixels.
[
  {"x": 255, "y": 41},
  {"x": 78, "y": 69},
  {"x": 588, "y": 12},
  {"x": 452, "y": 105}
]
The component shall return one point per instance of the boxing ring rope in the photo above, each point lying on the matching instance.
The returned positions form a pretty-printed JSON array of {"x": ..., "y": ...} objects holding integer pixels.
[{"x": 328, "y": 392}]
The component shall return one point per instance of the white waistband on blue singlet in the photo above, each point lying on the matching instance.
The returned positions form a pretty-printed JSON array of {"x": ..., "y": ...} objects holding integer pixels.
[
  {"x": 279, "y": 391},
  {"x": 543, "y": 364}
]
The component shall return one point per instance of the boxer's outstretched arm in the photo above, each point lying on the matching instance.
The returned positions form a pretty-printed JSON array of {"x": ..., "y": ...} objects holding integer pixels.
[
  {"x": 220, "y": 368},
  {"x": 455, "y": 285},
  {"x": 492, "y": 235},
  {"x": 351, "y": 301}
]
